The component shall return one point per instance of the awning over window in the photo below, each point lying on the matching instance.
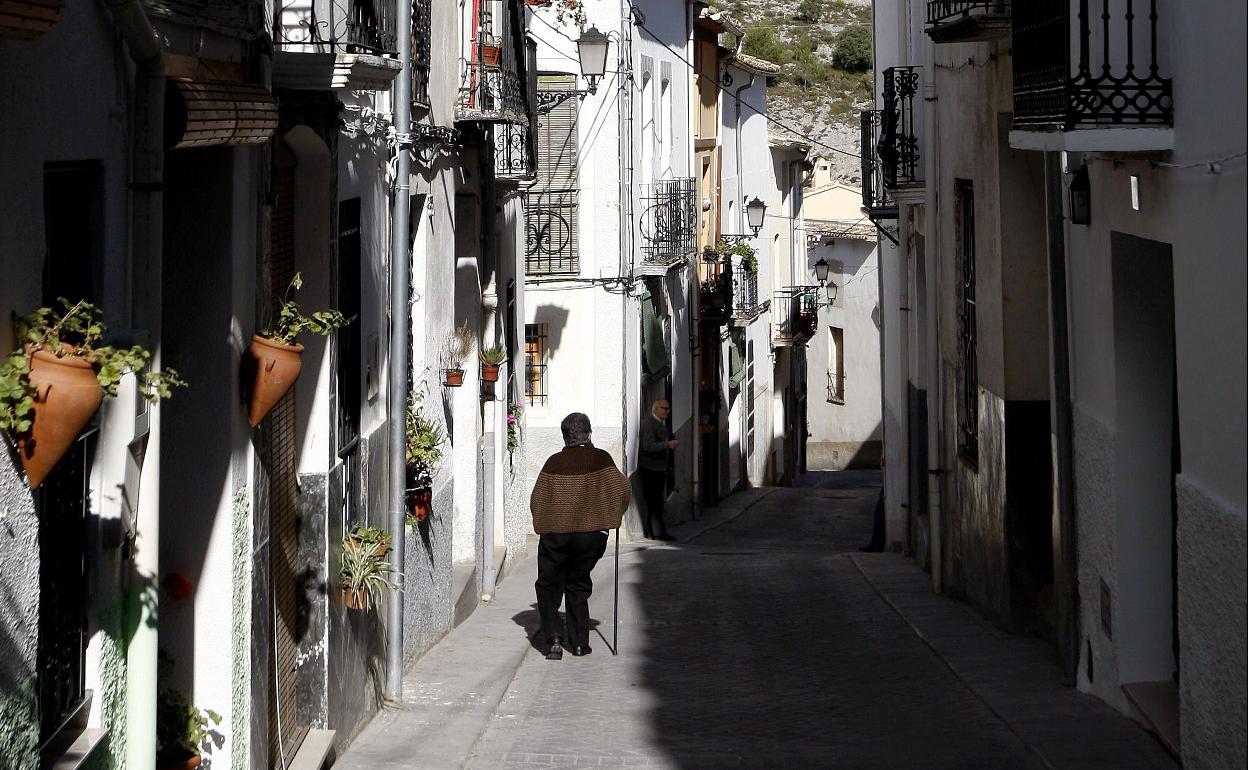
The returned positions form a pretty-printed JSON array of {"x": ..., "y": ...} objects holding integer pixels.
[
  {"x": 210, "y": 113},
  {"x": 28, "y": 19}
]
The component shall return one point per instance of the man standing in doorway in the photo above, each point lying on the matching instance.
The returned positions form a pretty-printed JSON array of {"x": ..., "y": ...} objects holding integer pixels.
[
  {"x": 656, "y": 441},
  {"x": 579, "y": 495}
]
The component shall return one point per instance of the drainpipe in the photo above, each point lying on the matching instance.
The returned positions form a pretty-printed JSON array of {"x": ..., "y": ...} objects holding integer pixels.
[
  {"x": 400, "y": 318},
  {"x": 624, "y": 62},
  {"x": 740, "y": 175},
  {"x": 146, "y": 235},
  {"x": 1068, "y": 591}
]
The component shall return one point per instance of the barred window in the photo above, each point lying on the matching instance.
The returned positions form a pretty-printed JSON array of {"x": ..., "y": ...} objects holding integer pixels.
[
  {"x": 421, "y": 51},
  {"x": 968, "y": 371},
  {"x": 836, "y": 365},
  {"x": 551, "y": 231},
  {"x": 535, "y": 363}
]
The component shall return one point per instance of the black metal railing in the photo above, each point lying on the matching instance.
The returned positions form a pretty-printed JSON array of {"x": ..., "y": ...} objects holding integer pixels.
[
  {"x": 899, "y": 135},
  {"x": 669, "y": 221},
  {"x": 492, "y": 88},
  {"x": 745, "y": 301},
  {"x": 347, "y": 26},
  {"x": 422, "y": 50},
  {"x": 875, "y": 198},
  {"x": 963, "y": 20},
  {"x": 795, "y": 314},
  {"x": 1108, "y": 73},
  {"x": 515, "y": 154},
  {"x": 551, "y": 233}
]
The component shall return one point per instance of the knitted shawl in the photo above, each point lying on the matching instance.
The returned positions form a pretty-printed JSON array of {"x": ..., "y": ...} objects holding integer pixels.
[{"x": 579, "y": 490}]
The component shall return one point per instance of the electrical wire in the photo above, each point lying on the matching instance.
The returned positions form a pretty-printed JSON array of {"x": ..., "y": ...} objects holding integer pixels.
[{"x": 1212, "y": 166}]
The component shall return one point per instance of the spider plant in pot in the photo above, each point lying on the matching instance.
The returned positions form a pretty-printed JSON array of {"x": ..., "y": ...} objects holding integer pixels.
[
  {"x": 55, "y": 380},
  {"x": 274, "y": 358},
  {"x": 423, "y": 453},
  {"x": 361, "y": 535},
  {"x": 491, "y": 360},
  {"x": 183, "y": 732},
  {"x": 365, "y": 575},
  {"x": 458, "y": 346}
]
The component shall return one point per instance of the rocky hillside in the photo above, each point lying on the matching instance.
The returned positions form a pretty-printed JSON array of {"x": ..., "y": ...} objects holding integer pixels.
[{"x": 824, "y": 48}]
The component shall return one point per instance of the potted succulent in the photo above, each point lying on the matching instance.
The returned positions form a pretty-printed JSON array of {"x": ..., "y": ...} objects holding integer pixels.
[
  {"x": 275, "y": 358},
  {"x": 491, "y": 360},
  {"x": 182, "y": 731},
  {"x": 365, "y": 575},
  {"x": 457, "y": 347},
  {"x": 423, "y": 453},
  {"x": 361, "y": 535},
  {"x": 55, "y": 380}
]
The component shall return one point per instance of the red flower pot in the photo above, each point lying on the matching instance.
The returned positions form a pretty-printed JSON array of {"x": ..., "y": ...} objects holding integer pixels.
[
  {"x": 420, "y": 503},
  {"x": 276, "y": 367},
  {"x": 489, "y": 372},
  {"x": 66, "y": 396},
  {"x": 190, "y": 763},
  {"x": 453, "y": 378}
]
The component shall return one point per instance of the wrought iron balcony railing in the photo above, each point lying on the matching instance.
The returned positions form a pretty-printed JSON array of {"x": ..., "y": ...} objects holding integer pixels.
[
  {"x": 898, "y": 143},
  {"x": 795, "y": 314},
  {"x": 1101, "y": 71},
  {"x": 715, "y": 287},
  {"x": 422, "y": 50},
  {"x": 669, "y": 222},
  {"x": 336, "y": 26},
  {"x": 958, "y": 21},
  {"x": 875, "y": 198},
  {"x": 551, "y": 246},
  {"x": 515, "y": 151},
  {"x": 745, "y": 301},
  {"x": 492, "y": 86}
]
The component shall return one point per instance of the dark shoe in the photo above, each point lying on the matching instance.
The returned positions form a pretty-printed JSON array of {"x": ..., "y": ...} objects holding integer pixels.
[
  {"x": 580, "y": 651},
  {"x": 555, "y": 651}
]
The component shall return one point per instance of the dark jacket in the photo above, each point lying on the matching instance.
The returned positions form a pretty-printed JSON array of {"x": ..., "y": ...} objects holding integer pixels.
[
  {"x": 579, "y": 490},
  {"x": 652, "y": 441}
]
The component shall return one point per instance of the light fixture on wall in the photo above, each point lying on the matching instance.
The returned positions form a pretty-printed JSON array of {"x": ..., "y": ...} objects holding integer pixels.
[
  {"x": 830, "y": 288},
  {"x": 821, "y": 270},
  {"x": 1081, "y": 197},
  {"x": 591, "y": 49},
  {"x": 755, "y": 211}
]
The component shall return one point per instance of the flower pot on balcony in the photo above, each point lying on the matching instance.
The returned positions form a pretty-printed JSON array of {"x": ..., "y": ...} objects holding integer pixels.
[
  {"x": 453, "y": 378},
  {"x": 489, "y": 372},
  {"x": 420, "y": 503},
  {"x": 67, "y": 394},
  {"x": 276, "y": 367},
  {"x": 491, "y": 55}
]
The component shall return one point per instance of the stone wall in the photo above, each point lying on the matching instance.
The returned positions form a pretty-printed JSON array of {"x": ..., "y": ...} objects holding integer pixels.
[{"x": 19, "y": 619}]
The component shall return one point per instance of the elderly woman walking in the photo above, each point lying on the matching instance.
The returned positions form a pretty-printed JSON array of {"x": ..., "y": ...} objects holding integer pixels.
[{"x": 579, "y": 496}]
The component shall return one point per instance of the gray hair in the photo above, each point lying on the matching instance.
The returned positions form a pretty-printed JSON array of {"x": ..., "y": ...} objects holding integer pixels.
[{"x": 576, "y": 429}]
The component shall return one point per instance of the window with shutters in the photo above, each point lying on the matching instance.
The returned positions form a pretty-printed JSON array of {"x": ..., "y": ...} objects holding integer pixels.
[{"x": 551, "y": 246}]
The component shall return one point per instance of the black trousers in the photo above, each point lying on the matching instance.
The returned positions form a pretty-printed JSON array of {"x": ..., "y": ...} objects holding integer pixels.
[
  {"x": 564, "y": 563},
  {"x": 654, "y": 489}
]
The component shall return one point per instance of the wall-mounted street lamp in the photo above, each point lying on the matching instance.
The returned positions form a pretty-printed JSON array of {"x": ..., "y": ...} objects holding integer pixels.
[
  {"x": 591, "y": 51},
  {"x": 1081, "y": 197},
  {"x": 830, "y": 288},
  {"x": 822, "y": 271},
  {"x": 755, "y": 212}
]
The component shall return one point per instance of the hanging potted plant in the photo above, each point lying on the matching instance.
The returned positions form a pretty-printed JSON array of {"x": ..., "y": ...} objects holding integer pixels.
[
  {"x": 458, "y": 346},
  {"x": 491, "y": 360},
  {"x": 183, "y": 732},
  {"x": 274, "y": 358},
  {"x": 360, "y": 536},
  {"x": 423, "y": 453},
  {"x": 54, "y": 382},
  {"x": 365, "y": 575},
  {"x": 514, "y": 413}
]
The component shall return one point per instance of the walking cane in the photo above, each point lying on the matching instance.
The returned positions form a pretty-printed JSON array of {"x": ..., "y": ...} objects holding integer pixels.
[{"x": 615, "y": 616}]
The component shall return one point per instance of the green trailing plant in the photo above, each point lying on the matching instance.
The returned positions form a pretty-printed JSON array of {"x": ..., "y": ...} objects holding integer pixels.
[
  {"x": 365, "y": 575},
  {"x": 74, "y": 330},
  {"x": 493, "y": 356},
  {"x": 363, "y": 534},
  {"x": 458, "y": 346},
  {"x": 514, "y": 413},
  {"x": 292, "y": 321},
  {"x": 182, "y": 730},
  {"x": 746, "y": 253},
  {"x": 424, "y": 447}
]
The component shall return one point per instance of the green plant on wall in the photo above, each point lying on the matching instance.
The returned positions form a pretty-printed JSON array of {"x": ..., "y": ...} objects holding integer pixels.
[
  {"x": 182, "y": 730},
  {"x": 747, "y": 255},
  {"x": 514, "y": 413},
  {"x": 291, "y": 320},
  {"x": 366, "y": 576},
  {"x": 424, "y": 446},
  {"x": 74, "y": 330}
]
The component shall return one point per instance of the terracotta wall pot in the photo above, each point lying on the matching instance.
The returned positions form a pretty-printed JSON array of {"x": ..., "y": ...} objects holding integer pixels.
[
  {"x": 489, "y": 372},
  {"x": 276, "y": 367},
  {"x": 358, "y": 543},
  {"x": 354, "y": 600},
  {"x": 421, "y": 502},
  {"x": 491, "y": 55},
  {"x": 453, "y": 378},
  {"x": 67, "y": 395},
  {"x": 190, "y": 763}
]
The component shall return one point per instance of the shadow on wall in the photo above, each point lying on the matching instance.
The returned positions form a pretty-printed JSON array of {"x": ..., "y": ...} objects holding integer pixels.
[{"x": 556, "y": 320}]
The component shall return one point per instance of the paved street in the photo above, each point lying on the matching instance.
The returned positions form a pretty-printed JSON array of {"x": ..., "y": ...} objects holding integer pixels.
[{"x": 762, "y": 638}]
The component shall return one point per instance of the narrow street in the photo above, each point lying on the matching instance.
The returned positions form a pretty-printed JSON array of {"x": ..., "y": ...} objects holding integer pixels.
[{"x": 761, "y": 638}]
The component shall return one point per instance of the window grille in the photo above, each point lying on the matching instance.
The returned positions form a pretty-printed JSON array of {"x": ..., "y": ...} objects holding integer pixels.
[
  {"x": 551, "y": 246},
  {"x": 421, "y": 51},
  {"x": 749, "y": 399},
  {"x": 836, "y": 365},
  {"x": 669, "y": 221},
  {"x": 535, "y": 363},
  {"x": 968, "y": 372}
]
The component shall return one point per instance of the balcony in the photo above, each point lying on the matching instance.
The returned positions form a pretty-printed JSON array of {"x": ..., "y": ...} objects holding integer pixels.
[
  {"x": 669, "y": 225},
  {"x": 876, "y": 201},
  {"x": 492, "y": 87},
  {"x": 715, "y": 287},
  {"x": 335, "y": 44},
  {"x": 744, "y": 301},
  {"x": 515, "y": 152},
  {"x": 963, "y": 21},
  {"x": 899, "y": 138},
  {"x": 1091, "y": 83},
  {"x": 794, "y": 315}
]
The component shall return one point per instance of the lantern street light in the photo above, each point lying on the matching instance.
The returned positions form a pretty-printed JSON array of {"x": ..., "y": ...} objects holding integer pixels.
[
  {"x": 755, "y": 211},
  {"x": 830, "y": 288},
  {"x": 821, "y": 270},
  {"x": 591, "y": 49}
]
